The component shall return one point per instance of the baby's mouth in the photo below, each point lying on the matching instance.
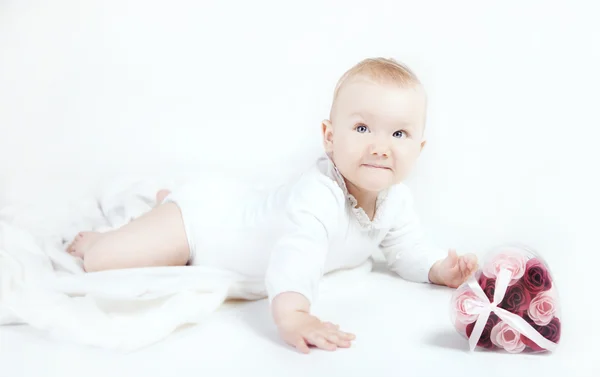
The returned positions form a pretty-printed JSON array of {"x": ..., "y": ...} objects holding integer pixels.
[{"x": 376, "y": 166}]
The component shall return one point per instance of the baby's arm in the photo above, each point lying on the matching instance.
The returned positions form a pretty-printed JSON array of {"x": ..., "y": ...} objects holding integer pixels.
[
  {"x": 296, "y": 267},
  {"x": 414, "y": 258}
]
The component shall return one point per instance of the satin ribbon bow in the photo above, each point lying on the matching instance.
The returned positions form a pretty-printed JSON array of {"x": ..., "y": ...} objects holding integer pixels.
[{"x": 483, "y": 307}]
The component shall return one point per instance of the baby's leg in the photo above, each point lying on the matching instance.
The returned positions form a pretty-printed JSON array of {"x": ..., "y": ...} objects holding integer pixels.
[
  {"x": 161, "y": 195},
  {"x": 156, "y": 238},
  {"x": 84, "y": 240}
]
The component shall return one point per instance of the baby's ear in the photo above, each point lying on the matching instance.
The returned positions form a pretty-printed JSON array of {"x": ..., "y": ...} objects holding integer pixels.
[
  {"x": 423, "y": 145},
  {"x": 327, "y": 131}
]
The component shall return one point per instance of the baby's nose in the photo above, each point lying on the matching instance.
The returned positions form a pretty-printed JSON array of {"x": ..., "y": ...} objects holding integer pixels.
[{"x": 380, "y": 149}]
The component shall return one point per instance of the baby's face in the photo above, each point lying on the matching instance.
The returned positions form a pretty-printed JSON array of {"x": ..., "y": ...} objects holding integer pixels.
[{"x": 376, "y": 132}]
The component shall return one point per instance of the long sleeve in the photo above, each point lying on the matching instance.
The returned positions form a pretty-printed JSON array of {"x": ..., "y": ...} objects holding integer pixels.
[
  {"x": 298, "y": 259},
  {"x": 405, "y": 247}
]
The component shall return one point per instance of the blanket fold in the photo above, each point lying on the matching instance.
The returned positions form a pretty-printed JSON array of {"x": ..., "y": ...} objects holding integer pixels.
[{"x": 43, "y": 286}]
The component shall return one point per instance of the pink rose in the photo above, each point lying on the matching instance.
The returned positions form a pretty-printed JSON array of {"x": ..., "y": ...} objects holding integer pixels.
[
  {"x": 511, "y": 260},
  {"x": 464, "y": 301},
  {"x": 504, "y": 336},
  {"x": 542, "y": 308}
]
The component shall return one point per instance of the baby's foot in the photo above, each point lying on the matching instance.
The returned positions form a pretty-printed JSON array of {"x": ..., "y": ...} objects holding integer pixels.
[
  {"x": 161, "y": 195},
  {"x": 82, "y": 243}
]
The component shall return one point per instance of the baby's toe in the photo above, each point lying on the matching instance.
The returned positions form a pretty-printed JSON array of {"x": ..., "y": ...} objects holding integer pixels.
[
  {"x": 73, "y": 246},
  {"x": 70, "y": 245}
]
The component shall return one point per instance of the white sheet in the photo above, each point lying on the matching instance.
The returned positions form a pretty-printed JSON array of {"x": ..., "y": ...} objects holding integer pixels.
[
  {"x": 45, "y": 287},
  {"x": 402, "y": 328}
]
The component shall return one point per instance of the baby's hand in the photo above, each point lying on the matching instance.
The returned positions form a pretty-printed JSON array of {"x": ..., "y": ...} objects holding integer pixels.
[
  {"x": 301, "y": 329},
  {"x": 453, "y": 270}
]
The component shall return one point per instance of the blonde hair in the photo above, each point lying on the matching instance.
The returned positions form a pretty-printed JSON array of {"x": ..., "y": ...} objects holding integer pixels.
[{"x": 382, "y": 70}]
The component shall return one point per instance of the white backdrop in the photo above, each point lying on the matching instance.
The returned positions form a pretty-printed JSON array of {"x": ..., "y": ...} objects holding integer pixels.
[{"x": 93, "y": 88}]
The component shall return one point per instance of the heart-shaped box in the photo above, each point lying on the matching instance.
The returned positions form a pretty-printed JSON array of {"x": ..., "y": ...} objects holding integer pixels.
[{"x": 510, "y": 303}]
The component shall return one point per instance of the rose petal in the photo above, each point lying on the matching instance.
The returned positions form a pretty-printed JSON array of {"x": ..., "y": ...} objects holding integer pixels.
[
  {"x": 542, "y": 308},
  {"x": 504, "y": 336},
  {"x": 465, "y": 304},
  {"x": 512, "y": 260}
]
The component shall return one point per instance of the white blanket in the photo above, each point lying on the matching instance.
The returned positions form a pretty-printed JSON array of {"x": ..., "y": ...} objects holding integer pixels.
[{"x": 43, "y": 286}]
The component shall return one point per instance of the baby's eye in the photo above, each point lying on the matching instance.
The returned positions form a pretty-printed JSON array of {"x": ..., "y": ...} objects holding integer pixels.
[
  {"x": 361, "y": 128},
  {"x": 399, "y": 134}
]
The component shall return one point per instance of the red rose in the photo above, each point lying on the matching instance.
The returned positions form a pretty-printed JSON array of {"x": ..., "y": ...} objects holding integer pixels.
[
  {"x": 536, "y": 277},
  {"x": 485, "y": 340},
  {"x": 516, "y": 299},
  {"x": 551, "y": 332},
  {"x": 488, "y": 285}
]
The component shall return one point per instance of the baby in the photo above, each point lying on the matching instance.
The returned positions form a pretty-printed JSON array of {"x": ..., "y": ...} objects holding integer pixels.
[{"x": 350, "y": 203}]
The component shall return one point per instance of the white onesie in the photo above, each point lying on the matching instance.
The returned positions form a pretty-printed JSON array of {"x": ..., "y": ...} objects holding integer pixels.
[{"x": 292, "y": 235}]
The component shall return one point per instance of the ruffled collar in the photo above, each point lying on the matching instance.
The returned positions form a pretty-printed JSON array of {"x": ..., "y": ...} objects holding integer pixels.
[{"x": 380, "y": 220}]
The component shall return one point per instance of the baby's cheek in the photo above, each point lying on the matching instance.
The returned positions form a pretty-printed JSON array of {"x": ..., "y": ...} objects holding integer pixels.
[
  {"x": 407, "y": 150},
  {"x": 349, "y": 145},
  {"x": 405, "y": 160}
]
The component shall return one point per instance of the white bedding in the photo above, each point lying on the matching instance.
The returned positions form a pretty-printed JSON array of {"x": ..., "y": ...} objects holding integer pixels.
[
  {"x": 45, "y": 287},
  {"x": 79, "y": 324},
  {"x": 402, "y": 329}
]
